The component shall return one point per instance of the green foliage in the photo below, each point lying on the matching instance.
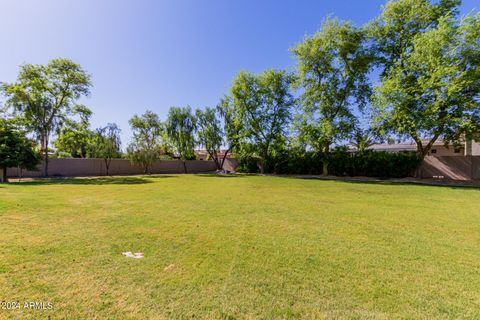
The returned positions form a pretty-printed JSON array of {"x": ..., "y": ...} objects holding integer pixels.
[
  {"x": 340, "y": 163},
  {"x": 180, "y": 128},
  {"x": 44, "y": 96},
  {"x": 74, "y": 137},
  {"x": 16, "y": 150},
  {"x": 147, "y": 145},
  {"x": 332, "y": 73},
  {"x": 233, "y": 129},
  {"x": 106, "y": 144},
  {"x": 373, "y": 164},
  {"x": 400, "y": 22},
  {"x": 362, "y": 139},
  {"x": 431, "y": 83},
  {"x": 263, "y": 105},
  {"x": 210, "y": 133}
]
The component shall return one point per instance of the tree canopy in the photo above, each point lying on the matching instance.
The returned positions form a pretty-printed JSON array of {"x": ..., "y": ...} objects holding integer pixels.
[
  {"x": 44, "y": 96},
  {"x": 264, "y": 104},
  {"x": 106, "y": 144},
  {"x": 210, "y": 133},
  {"x": 180, "y": 127},
  {"x": 16, "y": 150},
  {"x": 146, "y": 146},
  {"x": 431, "y": 91},
  {"x": 332, "y": 72}
]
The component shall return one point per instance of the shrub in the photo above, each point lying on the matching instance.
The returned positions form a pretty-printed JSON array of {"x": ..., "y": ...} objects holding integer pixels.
[{"x": 341, "y": 163}]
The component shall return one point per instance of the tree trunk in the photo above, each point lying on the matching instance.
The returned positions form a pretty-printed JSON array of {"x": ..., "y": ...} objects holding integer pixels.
[
  {"x": 261, "y": 166},
  {"x": 3, "y": 175},
  {"x": 326, "y": 154},
  {"x": 263, "y": 160},
  {"x": 107, "y": 165},
  {"x": 217, "y": 163},
  {"x": 184, "y": 166},
  {"x": 45, "y": 147},
  {"x": 325, "y": 168}
]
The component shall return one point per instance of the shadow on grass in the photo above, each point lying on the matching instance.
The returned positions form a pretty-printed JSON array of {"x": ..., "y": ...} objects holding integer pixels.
[
  {"x": 221, "y": 175},
  {"x": 379, "y": 181},
  {"x": 89, "y": 181}
]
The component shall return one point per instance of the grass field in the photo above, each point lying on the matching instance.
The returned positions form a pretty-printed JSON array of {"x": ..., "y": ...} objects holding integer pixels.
[{"x": 241, "y": 247}]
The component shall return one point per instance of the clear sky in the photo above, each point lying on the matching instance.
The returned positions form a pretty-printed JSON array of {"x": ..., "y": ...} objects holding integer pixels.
[{"x": 153, "y": 54}]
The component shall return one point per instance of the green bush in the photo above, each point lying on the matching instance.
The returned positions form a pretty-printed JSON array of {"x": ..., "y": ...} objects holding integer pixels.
[
  {"x": 341, "y": 163},
  {"x": 373, "y": 164}
]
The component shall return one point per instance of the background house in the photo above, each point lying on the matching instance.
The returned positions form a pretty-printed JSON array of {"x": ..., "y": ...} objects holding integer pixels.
[{"x": 468, "y": 148}]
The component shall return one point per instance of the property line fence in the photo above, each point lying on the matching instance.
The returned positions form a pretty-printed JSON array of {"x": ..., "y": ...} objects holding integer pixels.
[
  {"x": 73, "y": 167},
  {"x": 451, "y": 168},
  {"x": 445, "y": 167}
]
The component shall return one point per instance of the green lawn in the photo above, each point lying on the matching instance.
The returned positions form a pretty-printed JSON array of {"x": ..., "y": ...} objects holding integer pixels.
[{"x": 243, "y": 247}]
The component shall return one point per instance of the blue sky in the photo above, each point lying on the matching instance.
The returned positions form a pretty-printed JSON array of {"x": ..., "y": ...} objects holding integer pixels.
[{"x": 153, "y": 54}]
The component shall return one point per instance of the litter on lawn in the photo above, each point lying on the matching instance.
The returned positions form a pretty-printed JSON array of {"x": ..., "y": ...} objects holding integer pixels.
[{"x": 136, "y": 255}]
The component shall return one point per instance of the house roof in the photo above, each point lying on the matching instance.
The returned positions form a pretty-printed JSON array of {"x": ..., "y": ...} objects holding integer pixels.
[{"x": 404, "y": 146}]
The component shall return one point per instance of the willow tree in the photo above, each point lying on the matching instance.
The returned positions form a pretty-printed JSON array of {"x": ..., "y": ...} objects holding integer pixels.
[
  {"x": 432, "y": 90},
  {"x": 180, "y": 128},
  {"x": 210, "y": 133},
  {"x": 332, "y": 74},
  {"x": 232, "y": 126},
  {"x": 264, "y": 104},
  {"x": 44, "y": 96},
  {"x": 146, "y": 146},
  {"x": 106, "y": 144}
]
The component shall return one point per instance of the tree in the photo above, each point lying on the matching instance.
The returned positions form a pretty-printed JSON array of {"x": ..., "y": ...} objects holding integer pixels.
[
  {"x": 232, "y": 126},
  {"x": 432, "y": 90},
  {"x": 394, "y": 30},
  {"x": 146, "y": 146},
  {"x": 264, "y": 104},
  {"x": 210, "y": 133},
  {"x": 332, "y": 73},
  {"x": 180, "y": 129},
  {"x": 362, "y": 140},
  {"x": 45, "y": 96},
  {"x": 106, "y": 144},
  {"x": 15, "y": 150},
  {"x": 74, "y": 137}
]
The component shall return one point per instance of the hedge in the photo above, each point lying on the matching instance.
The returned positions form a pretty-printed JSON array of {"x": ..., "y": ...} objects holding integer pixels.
[{"x": 340, "y": 163}]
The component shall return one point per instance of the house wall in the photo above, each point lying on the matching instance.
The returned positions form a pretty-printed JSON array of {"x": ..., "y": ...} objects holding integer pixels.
[
  {"x": 444, "y": 151},
  {"x": 475, "y": 148},
  {"x": 96, "y": 167}
]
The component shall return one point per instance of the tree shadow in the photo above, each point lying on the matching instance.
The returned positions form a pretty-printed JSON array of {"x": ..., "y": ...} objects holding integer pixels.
[
  {"x": 89, "y": 181},
  {"x": 391, "y": 182},
  {"x": 220, "y": 175}
]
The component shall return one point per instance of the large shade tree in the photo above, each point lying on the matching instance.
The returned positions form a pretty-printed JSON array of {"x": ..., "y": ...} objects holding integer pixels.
[
  {"x": 400, "y": 21},
  {"x": 44, "y": 96},
  {"x": 264, "y": 104},
  {"x": 332, "y": 73},
  {"x": 432, "y": 90}
]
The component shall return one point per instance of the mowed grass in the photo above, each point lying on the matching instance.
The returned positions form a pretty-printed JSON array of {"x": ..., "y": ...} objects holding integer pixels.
[{"x": 245, "y": 247}]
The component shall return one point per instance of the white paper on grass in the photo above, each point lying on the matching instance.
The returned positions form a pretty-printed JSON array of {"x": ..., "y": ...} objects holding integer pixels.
[{"x": 136, "y": 255}]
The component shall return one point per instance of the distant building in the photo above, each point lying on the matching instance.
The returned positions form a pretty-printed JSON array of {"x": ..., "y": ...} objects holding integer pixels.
[
  {"x": 468, "y": 148},
  {"x": 203, "y": 154}
]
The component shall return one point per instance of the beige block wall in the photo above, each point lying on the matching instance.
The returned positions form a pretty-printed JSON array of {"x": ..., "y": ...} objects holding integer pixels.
[
  {"x": 96, "y": 167},
  {"x": 451, "y": 168}
]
